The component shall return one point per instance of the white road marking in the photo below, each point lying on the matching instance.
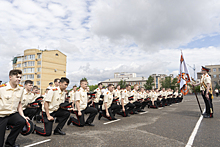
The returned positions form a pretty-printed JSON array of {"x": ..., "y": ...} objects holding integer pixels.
[
  {"x": 144, "y": 112},
  {"x": 37, "y": 143},
  {"x": 193, "y": 135},
  {"x": 111, "y": 121},
  {"x": 160, "y": 108}
]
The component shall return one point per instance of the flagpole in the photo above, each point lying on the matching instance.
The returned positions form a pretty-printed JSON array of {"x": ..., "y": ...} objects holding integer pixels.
[{"x": 197, "y": 99}]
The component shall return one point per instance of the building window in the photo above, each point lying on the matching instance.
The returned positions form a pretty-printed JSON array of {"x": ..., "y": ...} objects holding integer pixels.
[
  {"x": 38, "y": 76},
  {"x": 214, "y": 76},
  {"x": 18, "y": 65},
  {"x": 24, "y": 70},
  {"x": 30, "y": 77},
  {"x": 19, "y": 59},
  {"x": 57, "y": 54},
  {"x": 38, "y": 69},
  {"x": 25, "y": 64},
  {"x": 30, "y": 57},
  {"x": 31, "y": 63},
  {"x": 29, "y": 70},
  {"x": 214, "y": 69},
  {"x": 38, "y": 82},
  {"x": 38, "y": 56},
  {"x": 219, "y": 69},
  {"x": 38, "y": 62},
  {"x": 25, "y": 57},
  {"x": 24, "y": 77}
]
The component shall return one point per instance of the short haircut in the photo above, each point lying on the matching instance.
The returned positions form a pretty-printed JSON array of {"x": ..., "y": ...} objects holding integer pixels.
[
  {"x": 128, "y": 85},
  {"x": 47, "y": 89},
  {"x": 55, "y": 80},
  {"x": 28, "y": 82},
  {"x": 74, "y": 86},
  {"x": 83, "y": 81},
  {"x": 155, "y": 89},
  {"x": 110, "y": 85},
  {"x": 118, "y": 85},
  {"x": 35, "y": 87},
  {"x": 15, "y": 72},
  {"x": 99, "y": 84},
  {"x": 135, "y": 85},
  {"x": 64, "y": 79}
]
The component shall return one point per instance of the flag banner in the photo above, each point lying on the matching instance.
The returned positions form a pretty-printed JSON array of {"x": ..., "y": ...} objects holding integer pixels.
[{"x": 183, "y": 77}]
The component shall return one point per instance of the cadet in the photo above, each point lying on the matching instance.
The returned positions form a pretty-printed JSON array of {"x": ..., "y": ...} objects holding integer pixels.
[
  {"x": 51, "y": 109},
  {"x": 11, "y": 112},
  {"x": 206, "y": 88},
  {"x": 27, "y": 98},
  {"x": 36, "y": 92},
  {"x": 97, "y": 96},
  {"x": 117, "y": 93},
  {"x": 107, "y": 108},
  {"x": 81, "y": 101},
  {"x": 127, "y": 107},
  {"x": 50, "y": 85},
  {"x": 72, "y": 94},
  {"x": 137, "y": 101},
  {"x": 56, "y": 83}
]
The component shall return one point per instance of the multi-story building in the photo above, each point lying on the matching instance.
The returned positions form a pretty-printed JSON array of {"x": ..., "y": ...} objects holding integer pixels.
[
  {"x": 132, "y": 81},
  {"x": 41, "y": 66},
  {"x": 139, "y": 80},
  {"x": 159, "y": 78},
  {"x": 214, "y": 72},
  {"x": 124, "y": 75}
]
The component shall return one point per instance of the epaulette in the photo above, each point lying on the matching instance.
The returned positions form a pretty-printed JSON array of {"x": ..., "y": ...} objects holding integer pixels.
[
  {"x": 3, "y": 85},
  {"x": 97, "y": 89},
  {"x": 78, "y": 90},
  {"x": 107, "y": 92},
  {"x": 55, "y": 89},
  {"x": 20, "y": 85},
  {"x": 207, "y": 75}
]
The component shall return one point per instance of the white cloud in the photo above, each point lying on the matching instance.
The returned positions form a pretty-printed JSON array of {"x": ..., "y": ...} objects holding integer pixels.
[
  {"x": 155, "y": 23},
  {"x": 103, "y": 37}
]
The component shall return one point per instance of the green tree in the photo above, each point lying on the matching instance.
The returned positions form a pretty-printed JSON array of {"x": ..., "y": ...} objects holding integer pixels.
[
  {"x": 166, "y": 83},
  {"x": 93, "y": 87},
  {"x": 85, "y": 79},
  {"x": 174, "y": 84},
  {"x": 149, "y": 83},
  {"x": 216, "y": 86},
  {"x": 122, "y": 84}
]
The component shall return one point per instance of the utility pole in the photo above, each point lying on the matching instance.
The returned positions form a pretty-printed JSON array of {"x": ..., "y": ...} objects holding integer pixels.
[{"x": 194, "y": 69}]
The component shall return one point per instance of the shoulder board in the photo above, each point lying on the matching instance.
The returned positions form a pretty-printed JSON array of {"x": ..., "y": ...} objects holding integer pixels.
[
  {"x": 78, "y": 90},
  {"x": 55, "y": 89},
  {"x": 107, "y": 92},
  {"x": 3, "y": 85},
  {"x": 207, "y": 75},
  {"x": 97, "y": 89},
  {"x": 20, "y": 85}
]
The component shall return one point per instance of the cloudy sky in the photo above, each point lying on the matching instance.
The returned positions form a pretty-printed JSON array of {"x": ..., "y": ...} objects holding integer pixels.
[{"x": 101, "y": 37}]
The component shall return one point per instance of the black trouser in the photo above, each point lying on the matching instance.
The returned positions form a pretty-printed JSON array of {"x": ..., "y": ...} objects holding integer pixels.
[
  {"x": 31, "y": 112},
  {"x": 216, "y": 94},
  {"x": 115, "y": 108},
  {"x": 17, "y": 121},
  {"x": 62, "y": 116},
  {"x": 80, "y": 121},
  {"x": 110, "y": 111},
  {"x": 128, "y": 108},
  {"x": 208, "y": 103},
  {"x": 144, "y": 104},
  {"x": 96, "y": 105},
  {"x": 137, "y": 106}
]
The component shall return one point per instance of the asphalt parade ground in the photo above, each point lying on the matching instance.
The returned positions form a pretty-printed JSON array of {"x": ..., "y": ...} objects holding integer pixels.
[{"x": 178, "y": 125}]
